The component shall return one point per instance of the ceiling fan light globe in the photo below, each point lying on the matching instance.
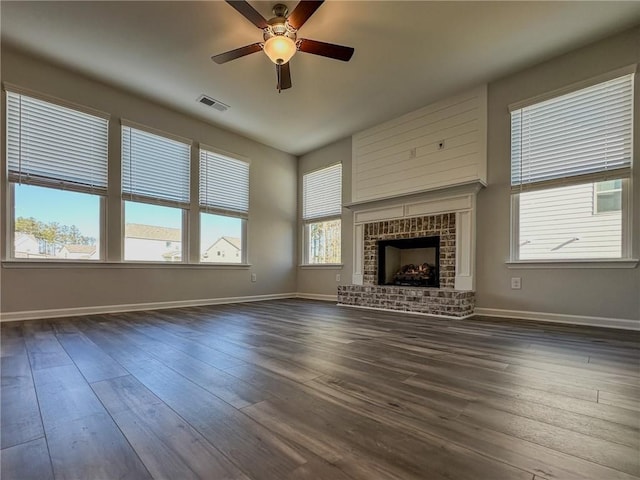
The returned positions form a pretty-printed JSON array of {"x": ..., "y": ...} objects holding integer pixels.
[{"x": 279, "y": 49}]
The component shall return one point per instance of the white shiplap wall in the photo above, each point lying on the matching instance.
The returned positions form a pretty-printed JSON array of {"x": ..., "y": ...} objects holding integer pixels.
[{"x": 402, "y": 156}]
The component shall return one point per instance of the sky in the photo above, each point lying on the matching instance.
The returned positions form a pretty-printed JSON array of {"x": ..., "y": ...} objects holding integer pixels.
[{"x": 83, "y": 211}]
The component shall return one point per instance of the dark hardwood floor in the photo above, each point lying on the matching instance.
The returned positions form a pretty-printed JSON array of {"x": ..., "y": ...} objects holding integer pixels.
[{"x": 299, "y": 389}]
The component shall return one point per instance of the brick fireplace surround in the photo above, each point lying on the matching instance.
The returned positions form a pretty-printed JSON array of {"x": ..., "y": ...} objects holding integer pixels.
[
  {"x": 443, "y": 226},
  {"x": 455, "y": 229}
]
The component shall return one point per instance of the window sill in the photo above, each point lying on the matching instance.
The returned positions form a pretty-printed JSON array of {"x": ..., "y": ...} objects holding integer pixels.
[
  {"x": 124, "y": 265},
  {"x": 595, "y": 263},
  {"x": 311, "y": 266}
]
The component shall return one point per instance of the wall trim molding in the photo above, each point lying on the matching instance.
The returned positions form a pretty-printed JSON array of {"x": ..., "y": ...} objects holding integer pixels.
[
  {"x": 132, "y": 307},
  {"x": 317, "y": 296},
  {"x": 604, "y": 322}
]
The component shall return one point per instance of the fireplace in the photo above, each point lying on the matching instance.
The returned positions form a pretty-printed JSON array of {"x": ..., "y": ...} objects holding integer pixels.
[
  {"x": 413, "y": 262},
  {"x": 445, "y": 222}
]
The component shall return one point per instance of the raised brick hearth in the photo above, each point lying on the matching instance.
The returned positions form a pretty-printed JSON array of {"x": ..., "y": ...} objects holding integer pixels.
[{"x": 434, "y": 301}]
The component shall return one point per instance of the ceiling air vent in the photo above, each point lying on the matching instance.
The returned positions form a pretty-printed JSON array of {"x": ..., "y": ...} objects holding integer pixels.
[{"x": 213, "y": 103}]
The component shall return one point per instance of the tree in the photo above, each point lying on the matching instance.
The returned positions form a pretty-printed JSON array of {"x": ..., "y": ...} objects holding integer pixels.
[
  {"x": 324, "y": 242},
  {"x": 52, "y": 232}
]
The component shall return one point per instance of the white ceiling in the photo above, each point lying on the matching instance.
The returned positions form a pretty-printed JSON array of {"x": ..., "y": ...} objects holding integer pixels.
[{"x": 407, "y": 54}]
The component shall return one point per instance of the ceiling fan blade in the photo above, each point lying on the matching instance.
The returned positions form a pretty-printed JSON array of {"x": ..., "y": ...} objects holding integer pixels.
[
  {"x": 237, "y": 53},
  {"x": 284, "y": 76},
  {"x": 302, "y": 12},
  {"x": 331, "y": 50},
  {"x": 248, "y": 12}
]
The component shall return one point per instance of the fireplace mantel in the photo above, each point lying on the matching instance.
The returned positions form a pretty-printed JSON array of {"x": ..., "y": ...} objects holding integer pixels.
[
  {"x": 459, "y": 200},
  {"x": 467, "y": 188}
]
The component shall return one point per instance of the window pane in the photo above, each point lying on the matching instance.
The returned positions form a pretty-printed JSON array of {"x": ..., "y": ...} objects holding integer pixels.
[
  {"x": 559, "y": 223},
  {"x": 324, "y": 242},
  {"x": 609, "y": 185},
  {"x": 609, "y": 202},
  {"x": 57, "y": 224},
  {"x": 220, "y": 239},
  {"x": 152, "y": 233}
]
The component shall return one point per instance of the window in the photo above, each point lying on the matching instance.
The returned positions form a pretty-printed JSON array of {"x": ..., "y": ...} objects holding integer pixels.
[
  {"x": 57, "y": 166},
  {"x": 321, "y": 210},
  {"x": 155, "y": 186},
  {"x": 224, "y": 207},
  {"x": 570, "y": 164},
  {"x": 608, "y": 196}
]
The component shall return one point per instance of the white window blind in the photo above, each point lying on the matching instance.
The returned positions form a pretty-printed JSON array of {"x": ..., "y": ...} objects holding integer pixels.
[
  {"x": 322, "y": 193},
  {"x": 584, "y": 135},
  {"x": 52, "y": 145},
  {"x": 224, "y": 183},
  {"x": 155, "y": 168}
]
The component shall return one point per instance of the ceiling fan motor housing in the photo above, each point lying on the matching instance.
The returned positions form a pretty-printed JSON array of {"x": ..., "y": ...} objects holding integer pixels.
[{"x": 279, "y": 26}]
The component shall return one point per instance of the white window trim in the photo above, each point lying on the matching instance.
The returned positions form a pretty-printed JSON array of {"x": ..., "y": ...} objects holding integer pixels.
[
  {"x": 10, "y": 87},
  {"x": 243, "y": 216},
  {"x": 39, "y": 264},
  {"x": 629, "y": 69},
  {"x": 305, "y": 242},
  {"x": 595, "y": 263},
  {"x": 306, "y": 222},
  {"x": 626, "y": 260},
  {"x": 9, "y": 252}
]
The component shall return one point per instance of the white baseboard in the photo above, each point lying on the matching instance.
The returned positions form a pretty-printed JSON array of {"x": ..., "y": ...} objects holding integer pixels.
[
  {"x": 317, "y": 296},
  {"x": 77, "y": 311},
  {"x": 621, "y": 323},
  {"x": 446, "y": 317}
]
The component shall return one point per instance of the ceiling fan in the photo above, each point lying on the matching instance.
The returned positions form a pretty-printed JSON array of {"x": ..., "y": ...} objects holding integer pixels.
[{"x": 281, "y": 41}]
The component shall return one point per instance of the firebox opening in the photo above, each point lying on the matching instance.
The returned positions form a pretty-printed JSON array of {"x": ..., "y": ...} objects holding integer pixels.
[{"x": 411, "y": 262}]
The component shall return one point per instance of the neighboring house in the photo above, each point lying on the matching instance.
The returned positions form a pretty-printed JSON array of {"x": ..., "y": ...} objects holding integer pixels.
[
  {"x": 224, "y": 250},
  {"x": 25, "y": 245},
  {"x": 579, "y": 221},
  {"x": 78, "y": 252},
  {"x": 152, "y": 243}
]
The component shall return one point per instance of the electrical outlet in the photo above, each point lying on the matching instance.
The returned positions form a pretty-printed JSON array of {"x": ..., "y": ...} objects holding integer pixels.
[
  {"x": 253, "y": 277},
  {"x": 337, "y": 277},
  {"x": 516, "y": 283}
]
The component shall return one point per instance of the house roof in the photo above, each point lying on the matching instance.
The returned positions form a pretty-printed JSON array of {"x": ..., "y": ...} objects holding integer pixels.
[
  {"x": 152, "y": 232},
  {"x": 76, "y": 248},
  {"x": 23, "y": 237},
  {"x": 235, "y": 242}
]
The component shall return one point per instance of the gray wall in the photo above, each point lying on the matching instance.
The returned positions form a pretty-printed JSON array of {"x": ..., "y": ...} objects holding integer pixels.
[
  {"x": 597, "y": 292},
  {"x": 613, "y": 293},
  {"x": 322, "y": 280},
  {"x": 275, "y": 247},
  {"x": 272, "y": 225}
]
